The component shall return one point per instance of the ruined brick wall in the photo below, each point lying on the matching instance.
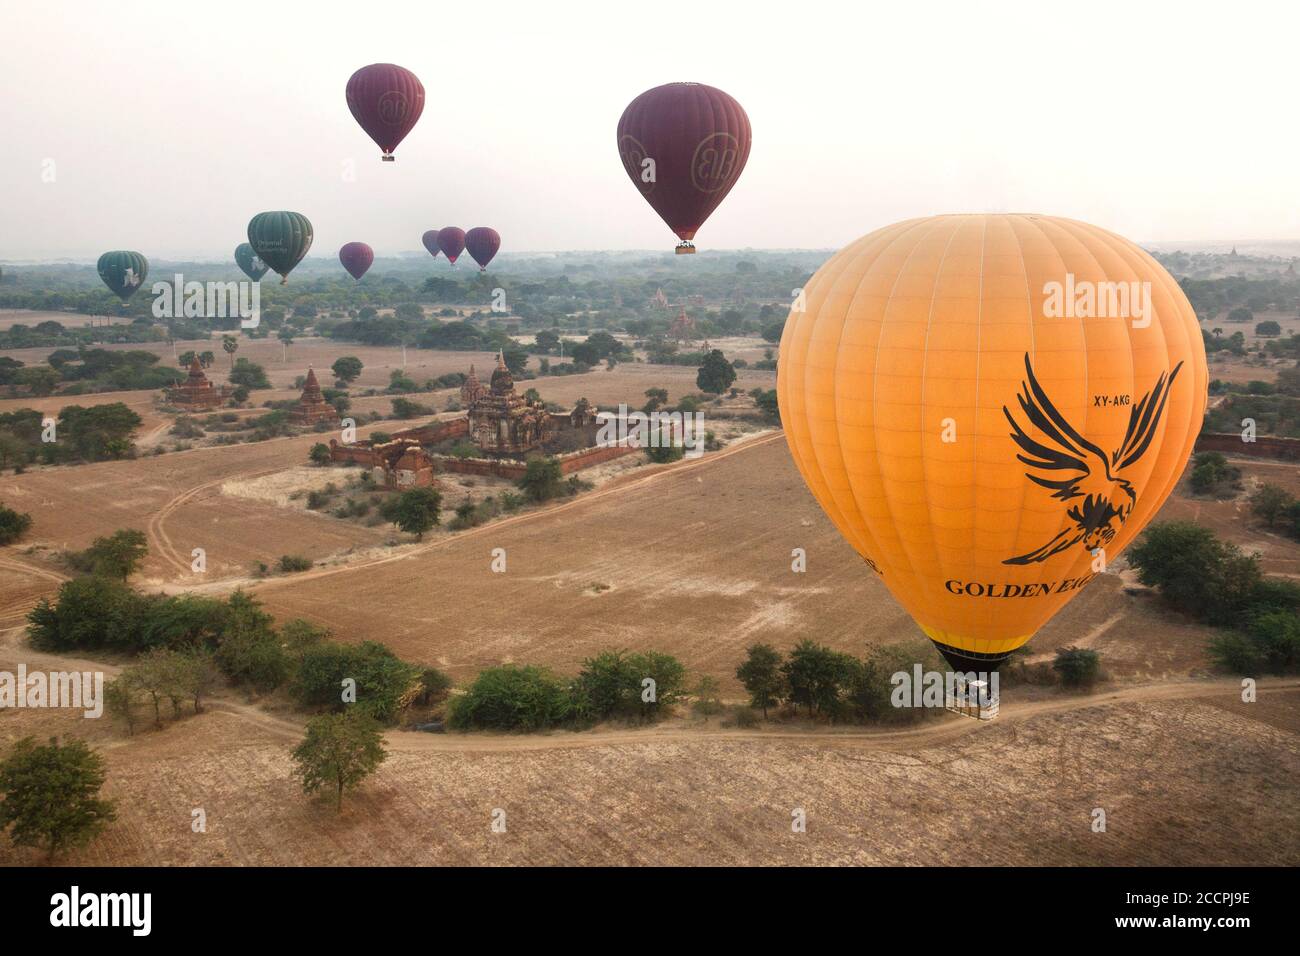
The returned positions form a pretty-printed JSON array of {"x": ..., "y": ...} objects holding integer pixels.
[
  {"x": 1264, "y": 446},
  {"x": 593, "y": 456},
  {"x": 514, "y": 470},
  {"x": 436, "y": 432},
  {"x": 361, "y": 454}
]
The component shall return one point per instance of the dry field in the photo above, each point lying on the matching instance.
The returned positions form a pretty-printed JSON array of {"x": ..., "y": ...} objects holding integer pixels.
[{"x": 1185, "y": 774}]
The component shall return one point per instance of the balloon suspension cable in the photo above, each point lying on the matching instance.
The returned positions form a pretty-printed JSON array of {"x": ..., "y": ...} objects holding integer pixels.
[{"x": 685, "y": 249}]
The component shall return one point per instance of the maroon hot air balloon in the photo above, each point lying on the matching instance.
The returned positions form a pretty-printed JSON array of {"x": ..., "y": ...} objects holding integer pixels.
[
  {"x": 698, "y": 138},
  {"x": 482, "y": 244},
  {"x": 430, "y": 240},
  {"x": 452, "y": 242},
  {"x": 386, "y": 100},
  {"x": 357, "y": 258}
]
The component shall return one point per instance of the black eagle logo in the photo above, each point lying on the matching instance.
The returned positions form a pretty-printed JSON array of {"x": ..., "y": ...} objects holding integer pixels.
[{"x": 1074, "y": 468}]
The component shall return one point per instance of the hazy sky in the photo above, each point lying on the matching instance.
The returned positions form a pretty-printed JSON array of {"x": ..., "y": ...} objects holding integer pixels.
[{"x": 169, "y": 124}]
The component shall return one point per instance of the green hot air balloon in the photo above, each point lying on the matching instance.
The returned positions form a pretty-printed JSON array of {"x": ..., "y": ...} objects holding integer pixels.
[
  {"x": 247, "y": 260},
  {"x": 123, "y": 272},
  {"x": 280, "y": 239}
]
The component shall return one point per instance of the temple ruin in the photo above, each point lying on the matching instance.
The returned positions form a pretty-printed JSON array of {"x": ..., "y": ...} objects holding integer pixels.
[{"x": 197, "y": 393}]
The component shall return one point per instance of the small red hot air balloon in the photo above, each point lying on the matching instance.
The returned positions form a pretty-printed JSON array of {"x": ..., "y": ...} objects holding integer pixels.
[
  {"x": 482, "y": 244},
  {"x": 684, "y": 145},
  {"x": 452, "y": 242},
  {"x": 386, "y": 100},
  {"x": 357, "y": 258},
  {"x": 430, "y": 240}
]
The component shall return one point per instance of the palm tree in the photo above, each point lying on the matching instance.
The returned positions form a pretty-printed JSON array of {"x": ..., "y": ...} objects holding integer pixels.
[
  {"x": 229, "y": 343},
  {"x": 285, "y": 335}
]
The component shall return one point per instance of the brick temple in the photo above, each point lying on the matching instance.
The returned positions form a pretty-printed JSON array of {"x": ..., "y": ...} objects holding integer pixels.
[
  {"x": 197, "y": 393},
  {"x": 312, "y": 407},
  {"x": 502, "y": 421}
]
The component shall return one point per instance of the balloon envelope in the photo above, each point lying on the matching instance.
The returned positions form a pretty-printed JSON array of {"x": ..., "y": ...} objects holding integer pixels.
[
  {"x": 482, "y": 244},
  {"x": 248, "y": 261},
  {"x": 386, "y": 100},
  {"x": 430, "y": 240},
  {"x": 123, "y": 272},
  {"x": 452, "y": 242},
  {"x": 280, "y": 239},
  {"x": 357, "y": 258},
  {"x": 684, "y": 145},
  {"x": 987, "y": 406}
]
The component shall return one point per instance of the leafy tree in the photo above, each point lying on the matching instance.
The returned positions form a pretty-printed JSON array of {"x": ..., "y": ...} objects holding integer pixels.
[
  {"x": 346, "y": 369},
  {"x": 511, "y": 697},
  {"x": 51, "y": 795},
  {"x": 542, "y": 479},
  {"x": 13, "y": 525},
  {"x": 119, "y": 555},
  {"x": 716, "y": 374},
  {"x": 1270, "y": 503},
  {"x": 816, "y": 676},
  {"x": 120, "y": 698},
  {"x": 249, "y": 375},
  {"x": 547, "y": 341},
  {"x": 339, "y": 751},
  {"x": 772, "y": 333},
  {"x": 1268, "y": 328},
  {"x": 320, "y": 454},
  {"x": 415, "y": 511},
  {"x": 249, "y": 650},
  {"x": 761, "y": 674},
  {"x": 1077, "y": 667},
  {"x": 767, "y": 404},
  {"x": 186, "y": 359},
  {"x": 89, "y": 613},
  {"x": 385, "y": 684},
  {"x": 1195, "y": 571},
  {"x": 206, "y": 359}
]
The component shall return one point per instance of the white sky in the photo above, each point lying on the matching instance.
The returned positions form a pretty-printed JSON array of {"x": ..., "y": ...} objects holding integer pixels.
[{"x": 171, "y": 123}]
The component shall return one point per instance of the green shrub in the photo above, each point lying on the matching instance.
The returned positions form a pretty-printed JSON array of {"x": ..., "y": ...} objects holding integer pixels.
[
  {"x": 385, "y": 684},
  {"x": 1078, "y": 667},
  {"x": 511, "y": 697},
  {"x": 13, "y": 525},
  {"x": 291, "y": 563}
]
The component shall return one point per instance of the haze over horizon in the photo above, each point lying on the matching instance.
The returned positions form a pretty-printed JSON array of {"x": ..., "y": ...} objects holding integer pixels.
[{"x": 165, "y": 131}]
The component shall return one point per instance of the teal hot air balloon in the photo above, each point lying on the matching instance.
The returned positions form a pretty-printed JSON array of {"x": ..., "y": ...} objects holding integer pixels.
[
  {"x": 123, "y": 272},
  {"x": 248, "y": 261},
  {"x": 280, "y": 239}
]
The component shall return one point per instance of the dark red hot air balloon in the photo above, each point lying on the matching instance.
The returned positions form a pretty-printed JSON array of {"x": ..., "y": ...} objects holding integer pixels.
[
  {"x": 386, "y": 100},
  {"x": 357, "y": 258},
  {"x": 684, "y": 145},
  {"x": 452, "y": 242},
  {"x": 482, "y": 244},
  {"x": 430, "y": 240}
]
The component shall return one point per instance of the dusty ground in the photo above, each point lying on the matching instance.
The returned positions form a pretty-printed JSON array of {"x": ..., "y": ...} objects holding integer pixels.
[{"x": 1185, "y": 776}]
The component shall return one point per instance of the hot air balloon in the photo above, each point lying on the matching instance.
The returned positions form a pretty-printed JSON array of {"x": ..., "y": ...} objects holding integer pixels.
[
  {"x": 482, "y": 244},
  {"x": 430, "y": 240},
  {"x": 280, "y": 239},
  {"x": 357, "y": 258},
  {"x": 684, "y": 145},
  {"x": 386, "y": 100},
  {"x": 247, "y": 260},
  {"x": 452, "y": 242},
  {"x": 990, "y": 408},
  {"x": 123, "y": 272}
]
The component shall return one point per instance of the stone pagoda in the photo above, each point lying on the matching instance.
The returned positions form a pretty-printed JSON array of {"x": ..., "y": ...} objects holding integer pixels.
[
  {"x": 312, "y": 407},
  {"x": 472, "y": 390},
  {"x": 197, "y": 393},
  {"x": 502, "y": 422}
]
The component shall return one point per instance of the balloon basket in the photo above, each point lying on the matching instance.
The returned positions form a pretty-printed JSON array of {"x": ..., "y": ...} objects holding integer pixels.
[
  {"x": 284, "y": 280},
  {"x": 685, "y": 249},
  {"x": 387, "y": 158}
]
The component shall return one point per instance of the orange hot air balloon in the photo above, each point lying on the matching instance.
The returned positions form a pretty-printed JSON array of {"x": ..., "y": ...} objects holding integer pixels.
[{"x": 988, "y": 407}]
